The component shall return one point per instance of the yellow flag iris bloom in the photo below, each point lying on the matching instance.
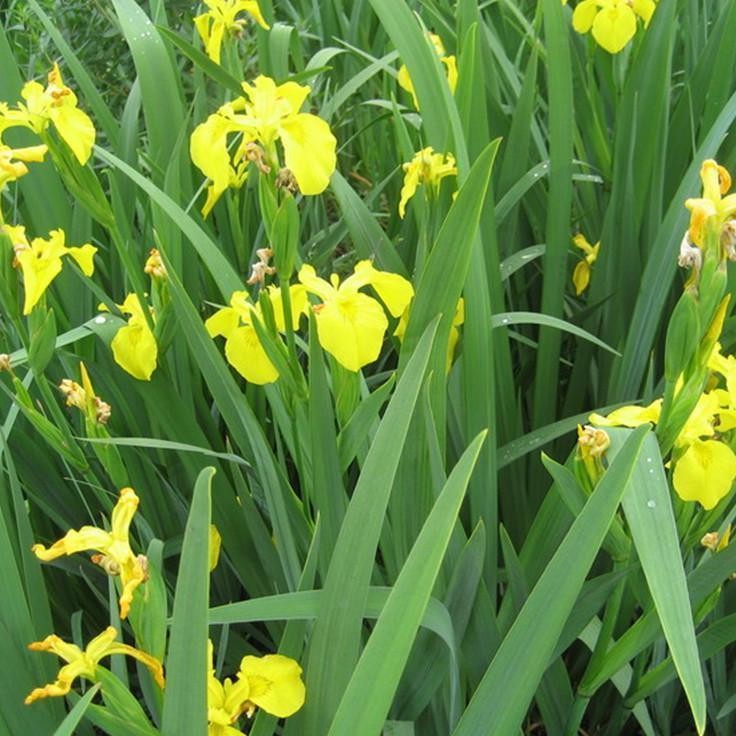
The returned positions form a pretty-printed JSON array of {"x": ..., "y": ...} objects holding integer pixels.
[
  {"x": 134, "y": 346},
  {"x": 272, "y": 682},
  {"x": 583, "y": 269},
  {"x": 450, "y": 63},
  {"x": 612, "y": 22},
  {"x": 351, "y": 325},
  {"x": 705, "y": 467},
  {"x": 54, "y": 104},
  {"x": 115, "y": 555},
  {"x": 713, "y": 205},
  {"x": 40, "y": 260},
  {"x": 266, "y": 114},
  {"x": 428, "y": 168},
  {"x": 221, "y": 18},
  {"x": 243, "y": 348},
  {"x": 13, "y": 161},
  {"x": 84, "y": 663}
]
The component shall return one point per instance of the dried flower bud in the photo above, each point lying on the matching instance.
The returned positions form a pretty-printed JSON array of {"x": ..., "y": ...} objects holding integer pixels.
[
  {"x": 286, "y": 180},
  {"x": 710, "y": 541},
  {"x": 261, "y": 269},
  {"x": 592, "y": 441},
  {"x": 256, "y": 154},
  {"x": 74, "y": 393},
  {"x": 103, "y": 410},
  {"x": 690, "y": 255},
  {"x": 5, "y": 363}
]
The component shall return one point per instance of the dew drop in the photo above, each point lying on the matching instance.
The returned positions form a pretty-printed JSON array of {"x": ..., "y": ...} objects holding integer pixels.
[
  {"x": 100, "y": 320},
  {"x": 651, "y": 503}
]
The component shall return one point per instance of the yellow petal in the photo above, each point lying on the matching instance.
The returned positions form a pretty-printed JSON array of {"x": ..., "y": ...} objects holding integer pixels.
[
  {"x": 275, "y": 683},
  {"x": 84, "y": 256},
  {"x": 209, "y": 153},
  {"x": 409, "y": 188},
  {"x": 644, "y": 9},
  {"x": 584, "y": 15},
  {"x": 298, "y": 300},
  {"x": 75, "y": 540},
  {"x": 309, "y": 151},
  {"x": 395, "y": 291},
  {"x": 705, "y": 472},
  {"x": 222, "y": 322},
  {"x": 581, "y": 276},
  {"x": 405, "y": 82},
  {"x": 135, "y": 351},
  {"x": 314, "y": 284},
  {"x": 252, "y": 8},
  {"x": 245, "y": 353},
  {"x": 351, "y": 328},
  {"x": 215, "y": 543},
  {"x": 451, "y": 67},
  {"x": 629, "y": 416},
  {"x": 614, "y": 27},
  {"x": 38, "y": 273},
  {"x": 76, "y": 129}
]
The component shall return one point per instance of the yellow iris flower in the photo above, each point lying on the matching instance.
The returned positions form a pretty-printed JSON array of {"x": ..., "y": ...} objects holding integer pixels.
[
  {"x": 583, "y": 269},
  {"x": 115, "y": 555},
  {"x": 243, "y": 348},
  {"x": 450, "y": 63},
  {"x": 13, "y": 161},
  {"x": 428, "y": 168},
  {"x": 613, "y": 22},
  {"x": 705, "y": 468},
  {"x": 222, "y": 18},
  {"x": 351, "y": 325},
  {"x": 84, "y": 663},
  {"x": 272, "y": 682},
  {"x": 57, "y": 104},
  {"x": 268, "y": 113},
  {"x": 716, "y": 183},
  {"x": 40, "y": 260},
  {"x": 134, "y": 346}
]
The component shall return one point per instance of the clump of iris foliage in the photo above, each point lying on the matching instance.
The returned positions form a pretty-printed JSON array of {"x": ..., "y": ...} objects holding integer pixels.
[{"x": 367, "y": 368}]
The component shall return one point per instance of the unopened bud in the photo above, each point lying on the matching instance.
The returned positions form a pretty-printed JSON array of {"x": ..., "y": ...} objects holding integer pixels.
[
  {"x": 154, "y": 265},
  {"x": 5, "y": 363}
]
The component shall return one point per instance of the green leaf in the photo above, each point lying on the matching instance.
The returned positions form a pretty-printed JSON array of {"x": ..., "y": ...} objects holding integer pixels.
[
  {"x": 368, "y": 696},
  {"x": 185, "y": 701},
  {"x": 336, "y": 636},
  {"x": 648, "y": 508},
  {"x": 75, "y": 715},
  {"x": 501, "y": 700}
]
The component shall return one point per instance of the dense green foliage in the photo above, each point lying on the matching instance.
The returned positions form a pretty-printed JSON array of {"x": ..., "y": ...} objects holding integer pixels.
[{"x": 396, "y": 530}]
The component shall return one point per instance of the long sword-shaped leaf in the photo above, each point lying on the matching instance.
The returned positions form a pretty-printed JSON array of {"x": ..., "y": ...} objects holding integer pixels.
[
  {"x": 368, "y": 697},
  {"x": 336, "y": 637},
  {"x": 185, "y": 704},
  {"x": 648, "y": 510},
  {"x": 508, "y": 686}
]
